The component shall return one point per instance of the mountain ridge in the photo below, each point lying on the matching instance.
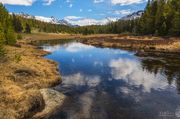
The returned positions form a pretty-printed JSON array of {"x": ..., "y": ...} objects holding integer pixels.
[{"x": 74, "y": 23}]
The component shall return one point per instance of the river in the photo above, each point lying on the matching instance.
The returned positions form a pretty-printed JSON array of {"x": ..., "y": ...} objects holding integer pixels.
[{"x": 107, "y": 83}]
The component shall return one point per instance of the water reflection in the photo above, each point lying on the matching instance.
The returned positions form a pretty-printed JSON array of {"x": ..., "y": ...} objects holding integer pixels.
[
  {"x": 132, "y": 73},
  {"x": 78, "y": 83},
  {"x": 110, "y": 83},
  {"x": 77, "y": 47},
  {"x": 169, "y": 67}
]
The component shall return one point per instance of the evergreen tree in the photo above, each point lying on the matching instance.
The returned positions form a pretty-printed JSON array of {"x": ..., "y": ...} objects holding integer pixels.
[
  {"x": 7, "y": 28},
  {"x": 10, "y": 36},
  {"x": 17, "y": 24},
  {"x": 27, "y": 28},
  {"x": 175, "y": 30},
  {"x": 1, "y": 41}
]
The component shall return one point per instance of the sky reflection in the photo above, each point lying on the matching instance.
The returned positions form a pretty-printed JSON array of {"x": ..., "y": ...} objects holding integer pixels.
[
  {"x": 132, "y": 73},
  {"x": 105, "y": 82}
]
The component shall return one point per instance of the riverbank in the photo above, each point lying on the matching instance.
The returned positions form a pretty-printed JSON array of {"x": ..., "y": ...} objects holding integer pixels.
[
  {"x": 144, "y": 45},
  {"x": 23, "y": 76}
]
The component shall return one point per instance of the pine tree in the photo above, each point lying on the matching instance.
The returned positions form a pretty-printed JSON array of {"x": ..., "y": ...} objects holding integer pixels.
[
  {"x": 27, "y": 28},
  {"x": 1, "y": 41},
  {"x": 7, "y": 28},
  {"x": 175, "y": 30},
  {"x": 17, "y": 24},
  {"x": 10, "y": 36}
]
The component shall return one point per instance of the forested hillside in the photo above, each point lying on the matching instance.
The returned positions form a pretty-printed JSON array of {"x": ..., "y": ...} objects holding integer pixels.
[
  {"x": 161, "y": 17},
  {"x": 20, "y": 24},
  {"x": 7, "y": 35}
]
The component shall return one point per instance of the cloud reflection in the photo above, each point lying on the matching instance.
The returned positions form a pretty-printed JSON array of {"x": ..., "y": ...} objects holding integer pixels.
[
  {"x": 79, "y": 79},
  {"x": 50, "y": 48},
  {"x": 131, "y": 72},
  {"x": 76, "y": 47}
]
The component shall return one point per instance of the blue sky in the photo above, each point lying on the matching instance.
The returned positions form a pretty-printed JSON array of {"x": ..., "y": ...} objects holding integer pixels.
[{"x": 75, "y": 9}]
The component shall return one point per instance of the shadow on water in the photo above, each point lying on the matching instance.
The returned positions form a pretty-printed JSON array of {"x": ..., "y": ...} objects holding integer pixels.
[{"x": 103, "y": 83}]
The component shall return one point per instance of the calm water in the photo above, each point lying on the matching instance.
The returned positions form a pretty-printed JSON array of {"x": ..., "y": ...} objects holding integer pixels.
[{"x": 104, "y": 83}]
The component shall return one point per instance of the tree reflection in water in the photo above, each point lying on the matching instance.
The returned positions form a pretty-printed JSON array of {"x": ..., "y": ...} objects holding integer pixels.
[{"x": 170, "y": 67}]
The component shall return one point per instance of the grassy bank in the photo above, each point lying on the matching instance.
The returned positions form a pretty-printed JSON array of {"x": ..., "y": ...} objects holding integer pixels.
[
  {"x": 143, "y": 44},
  {"x": 23, "y": 73}
]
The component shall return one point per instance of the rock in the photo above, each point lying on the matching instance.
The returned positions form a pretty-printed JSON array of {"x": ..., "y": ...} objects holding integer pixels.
[{"x": 53, "y": 99}]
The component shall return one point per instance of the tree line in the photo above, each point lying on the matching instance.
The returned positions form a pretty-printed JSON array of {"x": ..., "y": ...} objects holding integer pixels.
[
  {"x": 7, "y": 34},
  {"x": 160, "y": 17}
]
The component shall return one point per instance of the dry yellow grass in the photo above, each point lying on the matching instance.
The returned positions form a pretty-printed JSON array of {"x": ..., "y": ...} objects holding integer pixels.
[
  {"x": 171, "y": 44},
  {"x": 22, "y": 73},
  {"x": 47, "y": 36}
]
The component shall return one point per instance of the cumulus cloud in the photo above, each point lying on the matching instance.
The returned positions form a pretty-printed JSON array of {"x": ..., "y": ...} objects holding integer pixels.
[
  {"x": 70, "y": 5},
  {"x": 122, "y": 12},
  {"x": 81, "y": 21},
  {"x": 126, "y": 2},
  {"x": 48, "y": 2},
  {"x": 98, "y": 1},
  {"x": 18, "y": 2},
  {"x": 72, "y": 17}
]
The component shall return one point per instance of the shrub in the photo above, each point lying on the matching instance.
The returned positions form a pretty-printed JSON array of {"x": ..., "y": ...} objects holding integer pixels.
[{"x": 19, "y": 36}]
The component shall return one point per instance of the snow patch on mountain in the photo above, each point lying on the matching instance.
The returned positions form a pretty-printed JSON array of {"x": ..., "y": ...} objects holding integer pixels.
[
  {"x": 134, "y": 15},
  {"x": 81, "y": 21},
  {"x": 52, "y": 19}
]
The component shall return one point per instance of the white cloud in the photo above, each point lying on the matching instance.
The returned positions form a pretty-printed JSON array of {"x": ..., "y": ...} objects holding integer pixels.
[
  {"x": 74, "y": 20},
  {"x": 98, "y": 1},
  {"x": 70, "y": 5},
  {"x": 89, "y": 10},
  {"x": 126, "y": 2},
  {"x": 68, "y": 1},
  {"x": 44, "y": 19},
  {"x": 48, "y": 2},
  {"x": 123, "y": 12},
  {"x": 18, "y": 2},
  {"x": 72, "y": 17},
  {"x": 80, "y": 10}
]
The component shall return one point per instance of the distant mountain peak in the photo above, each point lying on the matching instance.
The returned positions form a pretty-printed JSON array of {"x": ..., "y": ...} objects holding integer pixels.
[
  {"x": 51, "y": 19},
  {"x": 134, "y": 15}
]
